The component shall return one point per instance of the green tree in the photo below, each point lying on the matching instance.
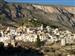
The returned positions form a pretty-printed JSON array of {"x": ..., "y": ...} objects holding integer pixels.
[
  {"x": 38, "y": 42},
  {"x": 2, "y": 18},
  {"x": 21, "y": 22},
  {"x": 1, "y": 44}
]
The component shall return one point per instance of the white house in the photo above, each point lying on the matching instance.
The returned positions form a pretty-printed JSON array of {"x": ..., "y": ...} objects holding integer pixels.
[
  {"x": 5, "y": 40},
  {"x": 55, "y": 31},
  {"x": 48, "y": 28},
  {"x": 32, "y": 37},
  {"x": 63, "y": 42},
  {"x": 2, "y": 34}
]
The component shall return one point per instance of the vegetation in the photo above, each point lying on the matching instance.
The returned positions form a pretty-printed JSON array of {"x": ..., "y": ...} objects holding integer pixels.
[
  {"x": 2, "y": 18},
  {"x": 28, "y": 22},
  {"x": 38, "y": 42},
  {"x": 18, "y": 51},
  {"x": 1, "y": 44}
]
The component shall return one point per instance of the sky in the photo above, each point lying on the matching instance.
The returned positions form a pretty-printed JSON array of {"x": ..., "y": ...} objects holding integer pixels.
[{"x": 51, "y": 2}]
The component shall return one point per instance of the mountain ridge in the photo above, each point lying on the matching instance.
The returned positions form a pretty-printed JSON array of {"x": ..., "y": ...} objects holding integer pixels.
[{"x": 50, "y": 15}]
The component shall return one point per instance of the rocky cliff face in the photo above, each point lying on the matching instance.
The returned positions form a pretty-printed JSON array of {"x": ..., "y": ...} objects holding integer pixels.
[
  {"x": 51, "y": 9},
  {"x": 60, "y": 16},
  {"x": 63, "y": 15}
]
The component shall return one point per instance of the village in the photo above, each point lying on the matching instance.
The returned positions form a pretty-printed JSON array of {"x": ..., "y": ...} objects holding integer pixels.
[{"x": 30, "y": 34}]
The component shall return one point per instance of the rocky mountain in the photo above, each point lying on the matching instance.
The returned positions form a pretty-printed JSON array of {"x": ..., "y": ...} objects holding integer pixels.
[
  {"x": 56, "y": 16},
  {"x": 61, "y": 16}
]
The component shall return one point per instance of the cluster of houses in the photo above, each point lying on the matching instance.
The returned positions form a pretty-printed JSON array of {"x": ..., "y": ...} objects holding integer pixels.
[{"x": 30, "y": 34}]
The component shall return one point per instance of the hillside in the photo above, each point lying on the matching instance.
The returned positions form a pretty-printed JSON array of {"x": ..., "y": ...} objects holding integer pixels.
[{"x": 56, "y": 16}]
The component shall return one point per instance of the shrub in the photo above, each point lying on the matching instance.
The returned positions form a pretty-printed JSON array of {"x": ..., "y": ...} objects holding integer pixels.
[
  {"x": 38, "y": 42},
  {"x": 1, "y": 44}
]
